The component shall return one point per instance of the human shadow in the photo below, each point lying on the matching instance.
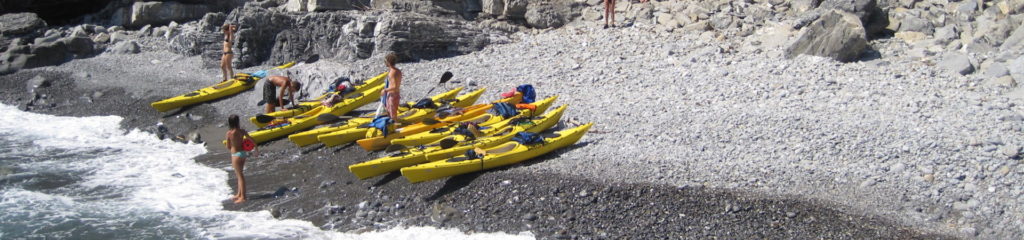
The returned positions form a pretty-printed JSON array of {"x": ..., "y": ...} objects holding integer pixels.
[
  {"x": 387, "y": 178},
  {"x": 267, "y": 195},
  {"x": 312, "y": 149},
  {"x": 454, "y": 184}
]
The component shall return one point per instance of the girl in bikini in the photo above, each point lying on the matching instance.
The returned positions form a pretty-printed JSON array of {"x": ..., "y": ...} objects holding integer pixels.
[
  {"x": 225, "y": 61},
  {"x": 235, "y": 137}
]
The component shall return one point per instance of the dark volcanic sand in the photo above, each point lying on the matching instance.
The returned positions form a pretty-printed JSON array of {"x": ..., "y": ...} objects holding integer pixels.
[{"x": 313, "y": 184}]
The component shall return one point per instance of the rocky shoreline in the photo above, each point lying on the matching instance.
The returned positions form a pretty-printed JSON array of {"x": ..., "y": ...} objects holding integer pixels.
[{"x": 905, "y": 122}]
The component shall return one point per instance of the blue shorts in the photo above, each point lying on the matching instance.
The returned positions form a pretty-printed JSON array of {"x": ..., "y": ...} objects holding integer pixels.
[{"x": 241, "y": 154}]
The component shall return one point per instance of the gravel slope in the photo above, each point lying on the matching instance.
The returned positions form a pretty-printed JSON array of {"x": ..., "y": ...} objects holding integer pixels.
[{"x": 890, "y": 136}]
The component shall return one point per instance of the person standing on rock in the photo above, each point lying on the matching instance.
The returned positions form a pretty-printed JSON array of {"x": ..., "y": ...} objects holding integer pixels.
[
  {"x": 225, "y": 61},
  {"x": 237, "y": 146},
  {"x": 391, "y": 92},
  {"x": 609, "y": 12},
  {"x": 270, "y": 92}
]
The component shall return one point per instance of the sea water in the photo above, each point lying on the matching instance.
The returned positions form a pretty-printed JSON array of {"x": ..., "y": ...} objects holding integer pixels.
[{"x": 86, "y": 178}]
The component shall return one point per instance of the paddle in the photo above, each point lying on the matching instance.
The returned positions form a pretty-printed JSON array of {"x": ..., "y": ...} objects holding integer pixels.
[
  {"x": 444, "y": 78},
  {"x": 395, "y": 147},
  {"x": 327, "y": 117}
]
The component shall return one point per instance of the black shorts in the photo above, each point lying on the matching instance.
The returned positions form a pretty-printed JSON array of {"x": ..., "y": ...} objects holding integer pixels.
[{"x": 270, "y": 93}]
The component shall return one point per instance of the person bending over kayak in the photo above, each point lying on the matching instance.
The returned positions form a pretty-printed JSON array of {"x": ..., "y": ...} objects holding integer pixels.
[
  {"x": 235, "y": 137},
  {"x": 225, "y": 61},
  {"x": 394, "y": 95},
  {"x": 274, "y": 99}
]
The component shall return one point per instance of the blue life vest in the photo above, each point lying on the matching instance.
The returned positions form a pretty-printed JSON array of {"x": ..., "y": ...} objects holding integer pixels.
[
  {"x": 381, "y": 123},
  {"x": 528, "y": 138},
  {"x": 259, "y": 74},
  {"x": 505, "y": 110},
  {"x": 529, "y": 95},
  {"x": 334, "y": 85}
]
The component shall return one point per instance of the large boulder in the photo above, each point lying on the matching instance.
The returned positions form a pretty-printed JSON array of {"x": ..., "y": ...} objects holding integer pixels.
[
  {"x": 957, "y": 63},
  {"x": 327, "y": 5},
  {"x": 48, "y": 53},
  {"x": 515, "y": 9},
  {"x": 417, "y": 36},
  {"x": 158, "y": 13},
  {"x": 493, "y": 7},
  {"x": 1017, "y": 69},
  {"x": 836, "y": 34},
  {"x": 547, "y": 15},
  {"x": 872, "y": 17},
  {"x": 20, "y": 23}
]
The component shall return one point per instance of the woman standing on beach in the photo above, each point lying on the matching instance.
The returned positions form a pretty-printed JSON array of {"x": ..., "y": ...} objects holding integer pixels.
[
  {"x": 391, "y": 90},
  {"x": 237, "y": 146},
  {"x": 225, "y": 61},
  {"x": 609, "y": 12}
]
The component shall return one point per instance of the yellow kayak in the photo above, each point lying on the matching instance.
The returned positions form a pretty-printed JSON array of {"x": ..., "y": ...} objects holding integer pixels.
[
  {"x": 240, "y": 82},
  {"x": 380, "y": 142},
  {"x": 434, "y": 151},
  {"x": 485, "y": 120},
  {"x": 316, "y": 102},
  {"x": 508, "y": 153},
  {"x": 357, "y": 130},
  {"x": 309, "y": 119}
]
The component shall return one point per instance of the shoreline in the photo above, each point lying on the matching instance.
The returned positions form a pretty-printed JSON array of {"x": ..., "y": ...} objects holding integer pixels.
[{"x": 312, "y": 184}]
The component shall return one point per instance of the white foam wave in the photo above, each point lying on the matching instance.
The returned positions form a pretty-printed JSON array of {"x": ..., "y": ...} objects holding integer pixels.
[{"x": 159, "y": 178}]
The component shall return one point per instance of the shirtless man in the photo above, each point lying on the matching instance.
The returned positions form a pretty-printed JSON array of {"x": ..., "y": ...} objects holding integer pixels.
[
  {"x": 274, "y": 99},
  {"x": 225, "y": 60},
  {"x": 235, "y": 138}
]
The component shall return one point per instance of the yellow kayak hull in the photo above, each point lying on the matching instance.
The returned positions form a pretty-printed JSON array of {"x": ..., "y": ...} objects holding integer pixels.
[
  {"x": 485, "y": 120},
  {"x": 352, "y": 132},
  {"x": 433, "y": 152},
  {"x": 310, "y": 137},
  {"x": 380, "y": 142},
  {"x": 309, "y": 119},
  {"x": 239, "y": 83},
  {"x": 502, "y": 155},
  {"x": 316, "y": 102}
]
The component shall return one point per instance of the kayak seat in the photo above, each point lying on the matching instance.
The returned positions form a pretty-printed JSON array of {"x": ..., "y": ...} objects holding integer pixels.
[
  {"x": 354, "y": 95},
  {"x": 399, "y": 154},
  {"x": 439, "y": 130},
  {"x": 503, "y": 149},
  {"x": 480, "y": 119},
  {"x": 550, "y": 135},
  {"x": 192, "y": 94},
  {"x": 458, "y": 159}
]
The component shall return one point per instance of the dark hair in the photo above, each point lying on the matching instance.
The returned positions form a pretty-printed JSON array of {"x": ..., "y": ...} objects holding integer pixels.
[
  {"x": 296, "y": 85},
  {"x": 233, "y": 121}
]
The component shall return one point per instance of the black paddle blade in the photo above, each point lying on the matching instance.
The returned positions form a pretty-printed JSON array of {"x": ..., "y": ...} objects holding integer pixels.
[
  {"x": 430, "y": 121},
  {"x": 448, "y": 143},
  {"x": 261, "y": 102},
  {"x": 395, "y": 147},
  {"x": 327, "y": 117},
  {"x": 446, "y": 76},
  {"x": 264, "y": 118}
]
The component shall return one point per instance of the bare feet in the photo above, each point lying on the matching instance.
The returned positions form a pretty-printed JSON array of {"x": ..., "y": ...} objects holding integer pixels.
[{"x": 239, "y": 199}]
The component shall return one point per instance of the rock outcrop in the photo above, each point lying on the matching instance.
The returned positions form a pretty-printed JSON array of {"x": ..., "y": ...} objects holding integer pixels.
[
  {"x": 20, "y": 23},
  {"x": 836, "y": 34},
  {"x": 160, "y": 13}
]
